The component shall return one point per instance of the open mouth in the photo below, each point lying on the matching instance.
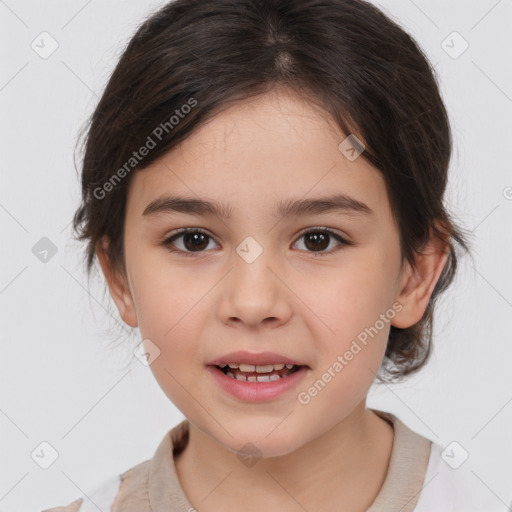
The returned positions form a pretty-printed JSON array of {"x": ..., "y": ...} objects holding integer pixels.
[{"x": 258, "y": 373}]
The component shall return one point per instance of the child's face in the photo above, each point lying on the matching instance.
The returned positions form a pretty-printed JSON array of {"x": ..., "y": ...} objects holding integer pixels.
[{"x": 199, "y": 306}]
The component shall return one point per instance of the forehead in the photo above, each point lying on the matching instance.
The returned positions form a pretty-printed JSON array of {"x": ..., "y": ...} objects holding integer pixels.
[{"x": 259, "y": 152}]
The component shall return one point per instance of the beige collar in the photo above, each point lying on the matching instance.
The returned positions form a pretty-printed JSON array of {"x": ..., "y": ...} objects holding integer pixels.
[{"x": 153, "y": 485}]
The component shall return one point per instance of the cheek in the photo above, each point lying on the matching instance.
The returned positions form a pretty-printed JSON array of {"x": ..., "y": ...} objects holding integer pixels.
[
  {"x": 165, "y": 296},
  {"x": 175, "y": 334},
  {"x": 168, "y": 309},
  {"x": 351, "y": 297},
  {"x": 356, "y": 313},
  {"x": 351, "y": 357}
]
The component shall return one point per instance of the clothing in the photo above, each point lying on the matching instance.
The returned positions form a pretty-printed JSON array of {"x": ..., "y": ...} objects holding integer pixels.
[{"x": 417, "y": 480}]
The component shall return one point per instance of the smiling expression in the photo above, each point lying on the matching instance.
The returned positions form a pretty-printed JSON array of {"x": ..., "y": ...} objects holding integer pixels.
[{"x": 292, "y": 250}]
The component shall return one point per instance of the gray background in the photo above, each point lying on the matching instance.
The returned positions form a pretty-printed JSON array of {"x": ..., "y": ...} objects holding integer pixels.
[{"x": 62, "y": 381}]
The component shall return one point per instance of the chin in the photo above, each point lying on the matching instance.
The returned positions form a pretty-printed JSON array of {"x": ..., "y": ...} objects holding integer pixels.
[{"x": 266, "y": 438}]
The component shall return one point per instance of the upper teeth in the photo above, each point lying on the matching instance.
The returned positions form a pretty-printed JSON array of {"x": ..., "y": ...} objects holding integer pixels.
[{"x": 263, "y": 368}]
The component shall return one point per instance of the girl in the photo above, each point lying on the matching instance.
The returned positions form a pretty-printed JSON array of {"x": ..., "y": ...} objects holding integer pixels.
[{"x": 263, "y": 188}]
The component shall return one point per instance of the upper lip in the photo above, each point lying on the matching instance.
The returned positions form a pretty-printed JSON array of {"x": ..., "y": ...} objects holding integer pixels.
[{"x": 255, "y": 358}]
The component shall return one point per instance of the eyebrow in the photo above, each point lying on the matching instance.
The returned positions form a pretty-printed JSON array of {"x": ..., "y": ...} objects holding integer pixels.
[{"x": 340, "y": 203}]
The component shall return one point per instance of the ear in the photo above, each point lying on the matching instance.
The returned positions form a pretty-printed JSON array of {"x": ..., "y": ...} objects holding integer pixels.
[
  {"x": 417, "y": 283},
  {"x": 117, "y": 284}
]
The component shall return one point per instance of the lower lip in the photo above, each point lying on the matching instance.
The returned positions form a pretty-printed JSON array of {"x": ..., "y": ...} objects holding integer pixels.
[{"x": 256, "y": 391}]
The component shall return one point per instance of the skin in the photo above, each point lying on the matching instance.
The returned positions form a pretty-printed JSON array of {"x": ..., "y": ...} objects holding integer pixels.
[{"x": 332, "y": 450}]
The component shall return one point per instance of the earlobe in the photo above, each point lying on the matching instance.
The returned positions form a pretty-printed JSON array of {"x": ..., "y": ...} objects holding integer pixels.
[
  {"x": 117, "y": 284},
  {"x": 418, "y": 283}
]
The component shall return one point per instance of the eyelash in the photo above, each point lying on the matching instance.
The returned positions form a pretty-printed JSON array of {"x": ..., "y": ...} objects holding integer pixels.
[{"x": 168, "y": 241}]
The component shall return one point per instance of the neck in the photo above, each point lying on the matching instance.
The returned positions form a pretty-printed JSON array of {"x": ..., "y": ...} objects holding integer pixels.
[{"x": 347, "y": 464}]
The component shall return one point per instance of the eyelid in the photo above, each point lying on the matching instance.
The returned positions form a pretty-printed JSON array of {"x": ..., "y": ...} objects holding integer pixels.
[
  {"x": 324, "y": 228},
  {"x": 168, "y": 239}
]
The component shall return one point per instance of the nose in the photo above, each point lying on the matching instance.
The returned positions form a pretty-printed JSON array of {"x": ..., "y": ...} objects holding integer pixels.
[{"x": 254, "y": 293}]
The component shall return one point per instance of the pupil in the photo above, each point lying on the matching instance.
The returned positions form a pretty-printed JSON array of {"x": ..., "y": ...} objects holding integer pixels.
[
  {"x": 196, "y": 241},
  {"x": 318, "y": 239}
]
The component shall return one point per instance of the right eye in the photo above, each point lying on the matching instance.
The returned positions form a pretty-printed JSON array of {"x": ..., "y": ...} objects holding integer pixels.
[{"x": 195, "y": 240}]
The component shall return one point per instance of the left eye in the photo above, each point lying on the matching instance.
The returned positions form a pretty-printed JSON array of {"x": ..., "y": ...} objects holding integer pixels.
[
  {"x": 196, "y": 241},
  {"x": 319, "y": 239}
]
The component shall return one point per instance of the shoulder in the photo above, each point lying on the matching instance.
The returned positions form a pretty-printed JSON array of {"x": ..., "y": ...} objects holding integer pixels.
[
  {"x": 130, "y": 489},
  {"x": 453, "y": 489},
  {"x": 101, "y": 497}
]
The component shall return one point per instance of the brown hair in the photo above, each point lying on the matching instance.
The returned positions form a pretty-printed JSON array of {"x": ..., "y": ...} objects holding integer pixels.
[{"x": 347, "y": 56}]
